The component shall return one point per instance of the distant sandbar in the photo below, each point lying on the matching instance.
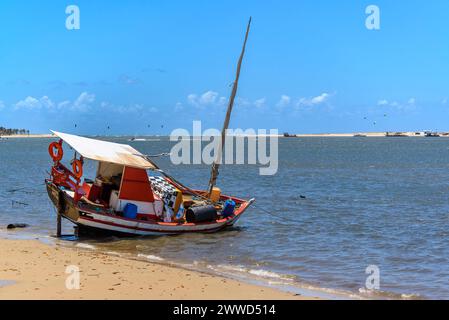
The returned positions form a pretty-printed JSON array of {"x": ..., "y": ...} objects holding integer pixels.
[{"x": 16, "y": 136}]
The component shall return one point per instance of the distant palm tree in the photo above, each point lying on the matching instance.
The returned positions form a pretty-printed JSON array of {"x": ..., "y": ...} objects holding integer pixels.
[{"x": 9, "y": 131}]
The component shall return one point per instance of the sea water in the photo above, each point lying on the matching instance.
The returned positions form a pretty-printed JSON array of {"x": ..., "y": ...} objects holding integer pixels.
[{"x": 335, "y": 207}]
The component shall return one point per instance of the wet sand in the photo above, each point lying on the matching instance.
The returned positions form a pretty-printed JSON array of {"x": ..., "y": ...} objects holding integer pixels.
[{"x": 30, "y": 269}]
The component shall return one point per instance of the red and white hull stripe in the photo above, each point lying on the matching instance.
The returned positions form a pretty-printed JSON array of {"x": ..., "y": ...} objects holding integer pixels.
[{"x": 146, "y": 228}]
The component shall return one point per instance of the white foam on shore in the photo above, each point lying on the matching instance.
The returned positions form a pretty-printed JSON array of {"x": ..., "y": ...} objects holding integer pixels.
[
  {"x": 85, "y": 246},
  {"x": 411, "y": 296},
  {"x": 113, "y": 253},
  {"x": 150, "y": 257},
  {"x": 228, "y": 268},
  {"x": 380, "y": 294},
  {"x": 279, "y": 281},
  {"x": 267, "y": 274},
  {"x": 260, "y": 273}
]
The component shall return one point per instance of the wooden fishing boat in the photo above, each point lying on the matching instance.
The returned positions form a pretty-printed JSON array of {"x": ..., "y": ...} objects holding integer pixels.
[
  {"x": 124, "y": 199},
  {"x": 122, "y": 178}
]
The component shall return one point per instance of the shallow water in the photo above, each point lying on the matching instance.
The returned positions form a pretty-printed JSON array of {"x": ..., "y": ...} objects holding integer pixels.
[{"x": 368, "y": 201}]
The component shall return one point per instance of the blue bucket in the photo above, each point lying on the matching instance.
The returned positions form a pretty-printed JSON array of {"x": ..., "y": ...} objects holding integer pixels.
[
  {"x": 130, "y": 211},
  {"x": 228, "y": 209}
]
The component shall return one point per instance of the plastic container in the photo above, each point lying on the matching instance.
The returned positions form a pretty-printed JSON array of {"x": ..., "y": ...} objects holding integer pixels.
[
  {"x": 180, "y": 214},
  {"x": 215, "y": 194},
  {"x": 228, "y": 208},
  {"x": 201, "y": 214},
  {"x": 130, "y": 211}
]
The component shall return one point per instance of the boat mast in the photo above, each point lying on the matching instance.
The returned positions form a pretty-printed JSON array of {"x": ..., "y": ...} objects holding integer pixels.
[{"x": 216, "y": 164}]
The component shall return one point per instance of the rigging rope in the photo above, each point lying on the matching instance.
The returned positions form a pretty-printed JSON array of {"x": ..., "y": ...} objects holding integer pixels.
[{"x": 182, "y": 186}]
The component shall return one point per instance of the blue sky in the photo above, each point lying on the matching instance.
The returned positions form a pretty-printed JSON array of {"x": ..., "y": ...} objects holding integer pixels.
[{"x": 311, "y": 66}]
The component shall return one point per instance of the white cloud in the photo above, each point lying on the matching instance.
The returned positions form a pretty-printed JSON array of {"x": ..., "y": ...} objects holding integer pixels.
[
  {"x": 314, "y": 100},
  {"x": 46, "y": 102},
  {"x": 213, "y": 99},
  {"x": 179, "y": 106},
  {"x": 260, "y": 103},
  {"x": 444, "y": 101},
  {"x": 29, "y": 103},
  {"x": 284, "y": 101},
  {"x": 207, "y": 99},
  {"x": 242, "y": 102},
  {"x": 192, "y": 99},
  {"x": 222, "y": 101},
  {"x": 320, "y": 99},
  {"x": 138, "y": 109},
  {"x": 128, "y": 80},
  {"x": 83, "y": 101},
  {"x": 2, "y": 105},
  {"x": 64, "y": 104},
  {"x": 33, "y": 103},
  {"x": 409, "y": 105},
  {"x": 104, "y": 104}
]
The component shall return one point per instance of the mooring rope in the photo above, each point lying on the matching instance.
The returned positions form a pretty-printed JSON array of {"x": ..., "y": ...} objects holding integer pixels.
[{"x": 163, "y": 154}]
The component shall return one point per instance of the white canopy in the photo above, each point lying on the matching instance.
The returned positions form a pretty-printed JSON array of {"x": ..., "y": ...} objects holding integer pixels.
[{"x": 105, "y": 151}]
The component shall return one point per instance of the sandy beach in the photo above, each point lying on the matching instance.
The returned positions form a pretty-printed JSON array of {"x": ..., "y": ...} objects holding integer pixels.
[{"x": 30, "y": 269}]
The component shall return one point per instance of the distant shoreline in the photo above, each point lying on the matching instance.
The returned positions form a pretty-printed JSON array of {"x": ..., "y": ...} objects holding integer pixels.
[
  {"x": 21, "y": 136},
  {"x": 368, "y": 134},
  {"x": 293, "y": 135}
]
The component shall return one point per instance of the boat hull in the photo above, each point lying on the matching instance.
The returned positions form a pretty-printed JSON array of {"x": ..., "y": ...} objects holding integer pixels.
[{"x": 90, "y": 219}]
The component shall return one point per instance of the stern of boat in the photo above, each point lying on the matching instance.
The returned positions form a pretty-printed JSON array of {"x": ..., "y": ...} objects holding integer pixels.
[{"x": 59, "y": 198}]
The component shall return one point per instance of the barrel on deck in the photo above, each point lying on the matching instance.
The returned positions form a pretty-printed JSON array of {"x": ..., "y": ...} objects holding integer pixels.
[{"x": 201, "y": 214}]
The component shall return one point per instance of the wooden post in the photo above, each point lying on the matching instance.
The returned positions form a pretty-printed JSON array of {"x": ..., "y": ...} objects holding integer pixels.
[
  {"x": 58, "y": 226},
  {"x": 76, "y": 231},
  {"x": 60, "y": 212}
]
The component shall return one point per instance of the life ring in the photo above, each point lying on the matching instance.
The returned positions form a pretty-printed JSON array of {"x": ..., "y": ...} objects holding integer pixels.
[
  {"x": 59, "y": 152},
  {"x": 77, "y": 166}
]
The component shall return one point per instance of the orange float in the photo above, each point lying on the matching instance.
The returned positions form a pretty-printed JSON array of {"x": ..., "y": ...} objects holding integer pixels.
[
  {"x": 77, "y": 166},
  {"x": 55, "y": 146}
]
